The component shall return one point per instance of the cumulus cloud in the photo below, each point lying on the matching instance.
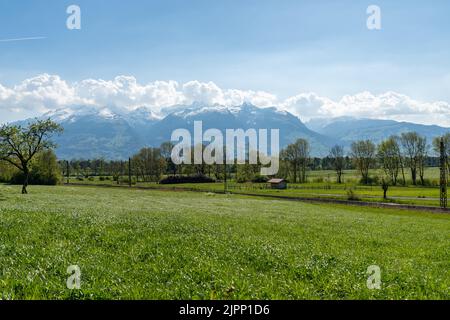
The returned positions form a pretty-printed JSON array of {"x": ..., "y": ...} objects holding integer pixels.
[
  {"x": 35, "y": 96},
  {"x": 308, "y": 105},
  {"x": 210, "y": 93},
  {"x": 389, "y": 105},
  {"x": 46, "y": 92},
  {"x": 126, "y": 92}
]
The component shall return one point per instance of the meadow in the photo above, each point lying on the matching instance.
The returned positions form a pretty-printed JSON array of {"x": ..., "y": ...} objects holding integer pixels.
[
  {"x": 321, "y": 184},
  {"x": 155, "y": 244}
]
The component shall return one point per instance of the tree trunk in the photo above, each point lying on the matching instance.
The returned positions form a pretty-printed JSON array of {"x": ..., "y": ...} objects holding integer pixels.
[
  {"x": 25, "y": 181},
  {"x": 403, "y": 170},
  {"x": 422, "y": 179},
  {"x": 365, "y": 175},
  {"x": 304, "y": 172},
  {"x": 295, "y": 173},
  {"x": 414, "y": 176}
]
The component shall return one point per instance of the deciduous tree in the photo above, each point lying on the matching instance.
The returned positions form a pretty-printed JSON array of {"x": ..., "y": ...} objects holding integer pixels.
[
  {"x": 390, "y": 159},
  {"x": 19, "y": 145},
  {"x": 338, "y": 161},
  {"x": 363, "y": 153},
  {"x": 415, "y": 151}
]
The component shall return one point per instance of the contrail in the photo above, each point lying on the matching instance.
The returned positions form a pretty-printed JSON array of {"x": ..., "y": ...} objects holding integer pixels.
[{"x": 22, "y": 39}]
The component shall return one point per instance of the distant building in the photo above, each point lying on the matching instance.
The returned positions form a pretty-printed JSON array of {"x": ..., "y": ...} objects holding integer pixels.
[{"x": 278, "y": 183}]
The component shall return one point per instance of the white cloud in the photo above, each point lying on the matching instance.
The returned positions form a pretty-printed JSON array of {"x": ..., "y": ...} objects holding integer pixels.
[
  {"x": 126, "y": 92},
  {"x": 37, "y": 95},
  {"x": 308, "y": 105},
  {"x": 210, "y": 93},
  {"x": 45, "y": 92},
  {"x": 204, "y": 92},
  {"x": 389, "y": 105}
]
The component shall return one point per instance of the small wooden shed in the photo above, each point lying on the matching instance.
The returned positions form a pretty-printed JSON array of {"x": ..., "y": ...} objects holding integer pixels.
[{"x": 278, "y": 184}]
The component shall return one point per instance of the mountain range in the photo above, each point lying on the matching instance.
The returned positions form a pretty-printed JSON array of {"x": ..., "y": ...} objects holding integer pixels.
[
  {"x": 92, "y": 132},
  {"x": 348, "y": 129}
]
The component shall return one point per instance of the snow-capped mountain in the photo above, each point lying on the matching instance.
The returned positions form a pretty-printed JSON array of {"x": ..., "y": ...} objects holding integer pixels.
[
  {"x": 348, "y": 129},
  {"x": 113, "y": 133},
  {"x": 91, "y": 132},
  {"x": 245, "y": 117}
]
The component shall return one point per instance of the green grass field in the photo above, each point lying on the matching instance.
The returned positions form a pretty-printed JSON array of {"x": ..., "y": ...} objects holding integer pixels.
[
  {"x": 148, "y": 244},
  {"x": 416, "y": 195}
]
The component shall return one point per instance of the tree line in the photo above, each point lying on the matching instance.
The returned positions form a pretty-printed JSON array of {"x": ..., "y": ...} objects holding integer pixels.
[
  {"x": 395, "y": 155},
  {"x": 26, "y": 155}
]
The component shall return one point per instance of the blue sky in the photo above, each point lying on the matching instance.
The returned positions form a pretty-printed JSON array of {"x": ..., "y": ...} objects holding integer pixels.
[{"x": 283, "y": 47}]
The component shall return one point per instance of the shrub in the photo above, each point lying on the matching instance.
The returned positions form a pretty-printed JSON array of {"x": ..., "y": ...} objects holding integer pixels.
[
  {"x": 241, "y": 179},
  {"x": 44, "y": 170},
  {"x": 125, "y": 180},
  {"x": 186, "y": 179},
  {"x": 101, "y": 178},
  {"x": 352, "y": 196},
  {"x": 35, "y": 178},
  {"x": 260, "y": 179},
  {"x": 7, "y": 171},
  {"x": 319, "y": 180},
  {"x": 431, "y": 182},
  {"x": 370, "y": 181}
]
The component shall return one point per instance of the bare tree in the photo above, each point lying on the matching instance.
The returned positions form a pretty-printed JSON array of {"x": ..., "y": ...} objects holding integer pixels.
[
  {"x": 18, "y": 145},
  {"x": 414, "y": 148},
  {"x": 290, "y": 156},
  {"x": 400, "y": 157},
  {"x": 422, "y": 160},
  {"x": 338, "y": 161},
  {"x": 304, "y": 152},
  {"x": 390, "y": 158},
  {"x": 297, "y": 155},
  {"x": 166, "y": 153},
  {"x": 149, "y": 164},
  {"x": 363, "y": 153},
  {"x": 437, "y": 147}
]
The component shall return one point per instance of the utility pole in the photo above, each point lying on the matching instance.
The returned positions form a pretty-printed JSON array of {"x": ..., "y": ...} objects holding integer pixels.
[
  {"x": 225, "y": 169},
  {"x": 121, "y": 171},
  {"x": 67, "y": 171},
  {"x": 443, "y": 180},
  {"x": 129, "y": 171},
  {"x": 225, "y": 186}
]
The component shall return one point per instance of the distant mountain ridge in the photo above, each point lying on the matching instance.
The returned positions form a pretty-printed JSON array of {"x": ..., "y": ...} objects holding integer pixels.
[
  {"x": 347, "y": 129},
  {"x": 91, "y": 132}
]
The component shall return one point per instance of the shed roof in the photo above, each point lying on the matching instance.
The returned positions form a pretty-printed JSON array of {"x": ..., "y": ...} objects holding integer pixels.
[{"x": 276, "y": 180}]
